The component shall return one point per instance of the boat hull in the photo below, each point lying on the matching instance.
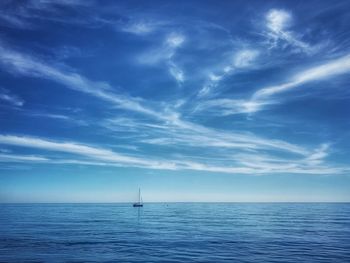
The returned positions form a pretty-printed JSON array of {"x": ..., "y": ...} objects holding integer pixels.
[{"x": 137, "y": 205}]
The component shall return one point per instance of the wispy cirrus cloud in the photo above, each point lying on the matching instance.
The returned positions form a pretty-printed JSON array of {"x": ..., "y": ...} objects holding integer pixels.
[
  {"x": 226, "y": 107},
  {"x": 165, "y": 54},
  {"x": 318, "y": 156},
  {"x": 241, "y": 60},
  {"x": 178, "y": 132},
  {"x": 59, "y": 117},
  {"x": 81, "y": 150},
  {"x": 138, "y": 27},
  {"x": 267, "y": 96},
  {"x": 28, "y": 66},
  {"x": 176, "y": 72},
  {"x": 278, "y": 22},
  {"x": 100, "y": 156},
  {"x": 22, "y": 64},
  {"x": 175, "y": 130},
  {"x": 7, "y": 96},
  {"x": 305, "y": 165},
  {"x": 190, "y": 134},
  {"x": 25, "y": 14},
  {"x": 13, "y": 21},
  {"x": 327, "y": 70},
  {"x": 22, "y": 158}
]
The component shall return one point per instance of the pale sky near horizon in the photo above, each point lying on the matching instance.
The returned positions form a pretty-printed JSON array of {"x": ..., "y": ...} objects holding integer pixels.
[{"x": 189, "y": 100}]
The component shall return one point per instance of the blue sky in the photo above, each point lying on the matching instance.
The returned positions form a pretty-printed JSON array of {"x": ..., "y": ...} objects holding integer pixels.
[{"x": 189, "y": 100}]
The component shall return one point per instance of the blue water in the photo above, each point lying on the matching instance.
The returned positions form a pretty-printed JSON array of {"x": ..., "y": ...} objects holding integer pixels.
[{"x": 176, "y": 232}]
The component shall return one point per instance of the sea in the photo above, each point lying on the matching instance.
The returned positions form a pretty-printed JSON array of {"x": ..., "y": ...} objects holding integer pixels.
[{"x": 175, "y": 232}]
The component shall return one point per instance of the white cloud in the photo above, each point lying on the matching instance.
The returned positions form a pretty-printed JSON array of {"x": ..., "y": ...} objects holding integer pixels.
[
  {"x": 176, "y": 72},
  {"x": 324, "y": 71},
  {"x": 318, "y": 156},
  {"x": 28, "y": 66},
  {"x": 263, "y": 164},
  {"x": 18, "y": 63},
  {"x": 50, "y": 115},
  {"x": 139, "y": 28},
  {"x": 277, "y": 23},
  {"x": 165, "y": 55},
  {"x": 330, "y": 69},
  {"x": 245, "y": 58},
  {"x": 278, "y": 20},
  {"x": 182, "y": 132},
  {"x": 242, "y": 59},
  {"x": 165, "y": 52},
  {"x": 21, "y": 158},
  {"x": 12, "y": 20},
  {"x": 83, "y": 150},
  {"x": 100, "y": 156},
  {"x": 175, "y": 40},
  {"x": 232, "y": 106},
  {"x": 262, "y": 97},
  {"x": 23, "y": 14},
  {"x": 70, "y": 119},
  {"x": 312, "y": 164},
  {"x": 213, "y": 77},
  {"x": 185, "y": 133},
  {"x": 5, "y": 95}
]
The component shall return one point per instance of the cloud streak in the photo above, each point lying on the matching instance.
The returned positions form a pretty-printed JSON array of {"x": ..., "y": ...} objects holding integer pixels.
[
  {"x": 277, "y": 22},
  {"x": 106, "y": 157},
  {"x": 139, "y": 27},
  {"x": 25, "y": 65},
  {"x": 6, "y": 96},
  {"x": 324, "y": 71},
  {"x": 21, "y": 64},
  {"x": 165, "y": 54},
  {"x": 267, "y": 96},
  {"x": 165, "y": 126},
  {"x": 242, "y": 60},
  {"x": 22, "y": 158},
  {"x": 82, "y": 150}
]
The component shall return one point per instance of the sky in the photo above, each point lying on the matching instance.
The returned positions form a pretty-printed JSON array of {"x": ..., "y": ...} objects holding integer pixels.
[{"x": 218, "y": 101}]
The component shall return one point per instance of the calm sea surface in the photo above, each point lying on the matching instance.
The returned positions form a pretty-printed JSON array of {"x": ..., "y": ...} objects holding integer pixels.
[{"x": 175, "y": 232}]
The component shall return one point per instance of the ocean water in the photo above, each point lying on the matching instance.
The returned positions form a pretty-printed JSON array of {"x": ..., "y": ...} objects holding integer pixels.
[{"x": 175, "y": 232}]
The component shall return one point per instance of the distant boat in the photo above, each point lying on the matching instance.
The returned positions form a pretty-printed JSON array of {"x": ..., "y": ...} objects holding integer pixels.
[{"x": 139, "y": 203}]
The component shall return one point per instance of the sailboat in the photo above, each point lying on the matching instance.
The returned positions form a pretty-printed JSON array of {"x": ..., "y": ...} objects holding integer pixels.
[{"x": 139, "y": 203}]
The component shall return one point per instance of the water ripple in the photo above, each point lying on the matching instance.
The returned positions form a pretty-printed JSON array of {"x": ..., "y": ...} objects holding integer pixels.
[{"x": 177, "y": 232}]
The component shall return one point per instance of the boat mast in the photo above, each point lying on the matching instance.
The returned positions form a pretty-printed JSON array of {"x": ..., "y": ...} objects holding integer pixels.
[{"x": 139, "y": 196}]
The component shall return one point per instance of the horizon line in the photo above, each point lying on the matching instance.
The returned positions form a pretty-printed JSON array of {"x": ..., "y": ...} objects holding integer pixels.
[{"x": 189, "y": 202}]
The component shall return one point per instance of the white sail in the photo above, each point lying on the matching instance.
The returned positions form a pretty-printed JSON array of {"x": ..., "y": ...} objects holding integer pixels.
[{"x": 139, "y": 203}]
